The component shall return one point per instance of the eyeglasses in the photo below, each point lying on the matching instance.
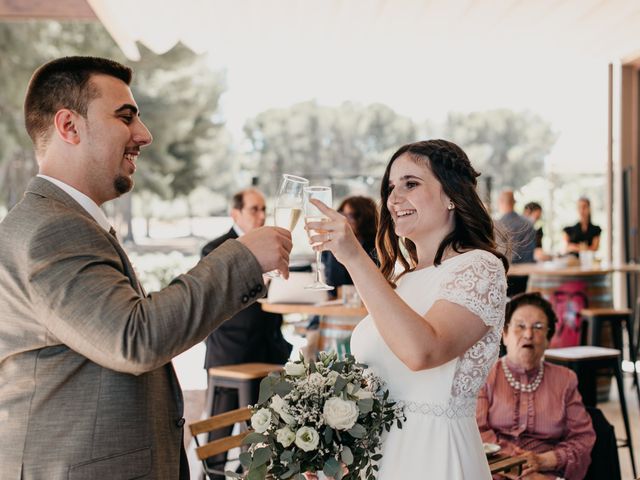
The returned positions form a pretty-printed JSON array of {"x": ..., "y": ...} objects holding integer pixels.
[
  {"x": 255, "y": 209},
  {"x": 537, "y": 327}
]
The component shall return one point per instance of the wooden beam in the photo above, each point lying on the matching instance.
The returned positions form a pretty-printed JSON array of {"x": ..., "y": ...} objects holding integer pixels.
[{"x": 46, "y": 9}]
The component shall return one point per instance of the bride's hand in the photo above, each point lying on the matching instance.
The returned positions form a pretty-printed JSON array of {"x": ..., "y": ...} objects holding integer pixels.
[{"x": 334, "y": 235}]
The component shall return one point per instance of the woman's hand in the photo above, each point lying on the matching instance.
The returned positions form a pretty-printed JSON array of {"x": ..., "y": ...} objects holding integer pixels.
[
  {"x": 313, "y": 476},
  {"x": 335, "y": 234},
  {"x": 538, "y": 462}
]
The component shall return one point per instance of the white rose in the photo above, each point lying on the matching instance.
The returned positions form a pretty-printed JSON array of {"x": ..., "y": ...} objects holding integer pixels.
[
  {"x": 285, "y": 436},
  {"x": 307, "y": 439},
  {"x": 294, "y": 369},
  {"x": 282, "y": 408},
  {"x": 340, "y": 414},
  {"x": 261, "y": 420}
]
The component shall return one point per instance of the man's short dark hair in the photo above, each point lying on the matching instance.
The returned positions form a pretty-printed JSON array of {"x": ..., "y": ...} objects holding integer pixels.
[
  {"x": 237, "y": 201},
  {"x": 64, "y": 83},
  {"x": 532, "y": 207}
]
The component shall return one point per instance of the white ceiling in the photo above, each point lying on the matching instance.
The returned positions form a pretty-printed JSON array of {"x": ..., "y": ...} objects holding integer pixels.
[
  {"x": 423, "y": 58},
  {"x": 608, "y": 29}
]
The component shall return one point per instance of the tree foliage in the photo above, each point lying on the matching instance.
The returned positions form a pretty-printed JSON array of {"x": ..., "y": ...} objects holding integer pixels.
[
  {"x": 177, "y": 94},
  {"x": 509, "y": 146},
  {"x": 23, "y": 47},
  {"x": 326, "y": 141}
]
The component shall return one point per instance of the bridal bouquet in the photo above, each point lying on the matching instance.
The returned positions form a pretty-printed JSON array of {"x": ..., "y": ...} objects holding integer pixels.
[{"x": 324, "y": 416}]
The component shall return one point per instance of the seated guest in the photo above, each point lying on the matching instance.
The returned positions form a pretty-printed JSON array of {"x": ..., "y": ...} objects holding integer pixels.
[
  {"x": 251, "y": 335},
  {"x": 362, "y": 215},
  {"x": 584, "y": 235},
  {"x": 531, "y": 407}
]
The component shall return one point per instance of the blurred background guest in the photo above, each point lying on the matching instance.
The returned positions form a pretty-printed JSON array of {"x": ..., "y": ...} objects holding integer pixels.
[
  {"x": 252, "y": 335},
  {"x": 584, "y": 235},
  {"x": 532, "y": 407},
  {"x": 533, "y": 212},
  {"x": 521, "y": 236},
  {"x": 362, "y": 215}
]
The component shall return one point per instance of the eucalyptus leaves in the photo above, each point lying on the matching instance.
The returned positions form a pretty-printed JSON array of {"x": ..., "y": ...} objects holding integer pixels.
[{"x": 317, "y": 417}]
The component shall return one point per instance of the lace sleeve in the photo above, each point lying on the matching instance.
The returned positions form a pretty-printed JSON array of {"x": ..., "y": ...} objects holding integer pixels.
[{"x": 478, "y": 283}]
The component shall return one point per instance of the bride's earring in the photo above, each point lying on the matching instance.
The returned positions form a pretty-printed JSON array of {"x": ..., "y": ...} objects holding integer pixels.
[{"x": 451, "y": 206}]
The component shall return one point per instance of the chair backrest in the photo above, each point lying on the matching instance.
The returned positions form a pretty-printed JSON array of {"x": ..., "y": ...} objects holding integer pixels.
[
  {"x": 215, "y": 422},
  {"x": 604, "y": 456}
]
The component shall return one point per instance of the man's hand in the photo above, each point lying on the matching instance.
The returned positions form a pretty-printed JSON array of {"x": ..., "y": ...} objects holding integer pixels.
[{"x": 271, "y": 247}]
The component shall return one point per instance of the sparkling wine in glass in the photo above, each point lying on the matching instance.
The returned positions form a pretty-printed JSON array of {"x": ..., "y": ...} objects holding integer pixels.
[
  {"x": 312, "y": 214},
  {"x": 289, "y": 202}
]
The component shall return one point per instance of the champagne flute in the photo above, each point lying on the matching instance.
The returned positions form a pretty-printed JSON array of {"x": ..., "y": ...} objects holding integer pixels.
[
  {"x": 288, "y": 205},
  {"x": 313, "y": 214}
]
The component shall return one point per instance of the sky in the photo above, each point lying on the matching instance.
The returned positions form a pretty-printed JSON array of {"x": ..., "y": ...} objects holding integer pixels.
[{"x": 573, "y": 98}]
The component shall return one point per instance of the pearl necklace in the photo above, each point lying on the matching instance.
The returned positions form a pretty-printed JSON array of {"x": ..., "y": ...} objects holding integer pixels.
[{"x": 516, "y": 385}]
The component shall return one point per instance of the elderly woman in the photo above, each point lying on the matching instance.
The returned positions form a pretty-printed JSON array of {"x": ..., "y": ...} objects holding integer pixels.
[{"x": 532, "y": 407}]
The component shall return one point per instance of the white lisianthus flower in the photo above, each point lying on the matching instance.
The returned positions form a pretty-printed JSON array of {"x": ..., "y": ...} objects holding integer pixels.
[
  {"x": 307, "y": 439},
  {"x": 261, "y": 420},
  {"x": 332, "y": 376},
  {"x": 340, "y": 414},
  {"x": 294, "y": 369},
  {"x": 285, "y": 436},
  {"x": 360, "y": 393},
  {"x": 281, "y": 408}
]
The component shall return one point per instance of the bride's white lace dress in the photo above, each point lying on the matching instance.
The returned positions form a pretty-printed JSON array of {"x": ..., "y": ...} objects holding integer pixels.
[{"x": 440, "y": 438}]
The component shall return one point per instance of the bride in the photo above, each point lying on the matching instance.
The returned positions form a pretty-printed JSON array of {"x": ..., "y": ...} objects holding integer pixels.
[{"x": 436, "y": 310}]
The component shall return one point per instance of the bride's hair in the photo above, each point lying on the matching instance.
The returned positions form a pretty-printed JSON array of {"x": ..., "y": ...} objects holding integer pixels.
[{"x": 473, "y": 227}]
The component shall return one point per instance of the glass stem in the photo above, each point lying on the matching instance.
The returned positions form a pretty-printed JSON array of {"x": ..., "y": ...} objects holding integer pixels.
[{"x": 318, "y": 262}]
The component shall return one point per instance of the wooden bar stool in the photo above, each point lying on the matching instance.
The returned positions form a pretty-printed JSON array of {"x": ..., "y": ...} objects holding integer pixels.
[
  {"x": 244, "y": 377},
  {"x": 584, "y": 361},
  {"x": 597, "y": 318}
]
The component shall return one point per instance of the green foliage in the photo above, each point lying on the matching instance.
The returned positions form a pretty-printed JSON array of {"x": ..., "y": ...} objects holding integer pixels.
[
  {"x": 23, "y": 47},
  {"x": 177, "y": 93},
  {"x": 178, "y": 96},
  {"x": 506, "y": 145},
  {"x": 320, "y": 141}
]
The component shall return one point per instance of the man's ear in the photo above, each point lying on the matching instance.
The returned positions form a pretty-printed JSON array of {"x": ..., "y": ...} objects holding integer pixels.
[
  {"x": 235, "y": 214},
  {"x": 65, "y": 123}
]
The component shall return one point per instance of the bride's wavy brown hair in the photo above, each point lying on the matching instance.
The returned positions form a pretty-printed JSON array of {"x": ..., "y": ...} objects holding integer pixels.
[{"x": 473, "y": 227}]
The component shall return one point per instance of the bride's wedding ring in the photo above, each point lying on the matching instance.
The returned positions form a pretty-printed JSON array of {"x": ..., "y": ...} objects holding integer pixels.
[{"x": 329, "y": 236}]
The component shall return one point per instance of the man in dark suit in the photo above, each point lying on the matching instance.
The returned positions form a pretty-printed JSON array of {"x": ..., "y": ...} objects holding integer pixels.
[
  {"x": 88, "y": 390},
  {"x": 252, "y": 335}
]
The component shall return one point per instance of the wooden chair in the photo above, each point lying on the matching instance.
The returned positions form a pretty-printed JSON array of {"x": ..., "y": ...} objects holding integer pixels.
[
  {"x": 221, "y": 445},
  {"x": 244, "y": 377}
]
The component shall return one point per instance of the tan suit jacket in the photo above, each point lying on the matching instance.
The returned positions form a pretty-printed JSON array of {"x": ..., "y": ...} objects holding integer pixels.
[{"x": 87, "y": 390}]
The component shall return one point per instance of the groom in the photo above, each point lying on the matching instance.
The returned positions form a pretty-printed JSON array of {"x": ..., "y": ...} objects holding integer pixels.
[{"x": 87, "y": 388}]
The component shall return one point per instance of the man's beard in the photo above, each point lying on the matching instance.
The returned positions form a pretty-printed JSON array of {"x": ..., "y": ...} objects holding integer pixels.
[{"x": 122, "y": 184}]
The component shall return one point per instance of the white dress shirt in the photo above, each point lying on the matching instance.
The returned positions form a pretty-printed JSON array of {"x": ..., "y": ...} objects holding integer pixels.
[{"x": 85, "y": 202}]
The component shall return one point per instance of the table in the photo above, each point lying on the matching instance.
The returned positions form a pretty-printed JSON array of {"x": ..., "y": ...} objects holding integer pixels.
[
  {"x": 506, "y": 464},
  {"x": 337, "y": 321}
]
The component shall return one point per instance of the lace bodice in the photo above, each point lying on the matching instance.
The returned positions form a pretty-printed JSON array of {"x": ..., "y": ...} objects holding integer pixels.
[
  {"x": 479, "y": 284},
  {"x": 475, "y": 280}
]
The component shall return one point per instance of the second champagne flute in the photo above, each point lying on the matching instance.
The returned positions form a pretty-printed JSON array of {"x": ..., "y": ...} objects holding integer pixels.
[
  {"x": 312, "y": 214},
  {"x": 288, "y": 205}
]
